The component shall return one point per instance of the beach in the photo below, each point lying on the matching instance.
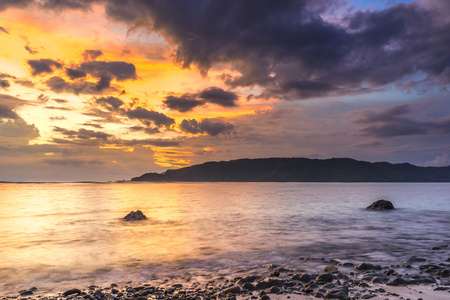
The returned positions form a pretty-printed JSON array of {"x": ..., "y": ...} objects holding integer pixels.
[
  {"x": 224, "y": 241},
  {"x": 425, "y": 277}
]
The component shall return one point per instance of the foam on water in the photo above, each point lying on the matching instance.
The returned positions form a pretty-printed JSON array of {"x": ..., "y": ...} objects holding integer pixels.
[{"x": 64, "y": 235}]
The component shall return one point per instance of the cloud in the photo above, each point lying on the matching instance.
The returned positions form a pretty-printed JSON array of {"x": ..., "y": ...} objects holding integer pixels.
[
  {"x": 71, "y": 162},
  {"x": 391, "y": 122},
  {"x": 30, "y": 49},
  {"x": 218, "y": 96},
  {"x": 83, "y": 134},
  {"x": 4, "y": 84},
  {"x": 107, "y": 71},
  {"x": 4, "y": 4},
  {"x": 3, "y": 30},
  {"x": 187, "y": 102},
  {"x": 75, "y": 74},
  {"x": 183, "y": 103},
  {"x": 211, "y": 127},
  {"x": 43, "y": 66},
  {"x": 110, "y": 103},
  {"x": 440, "y": 161},
  {"x": 149, "y": 116},
  {"x": 148, "y": 130},
  {"x": 59, "y": 85},
  {"x": 290, "y": 49},
  {"x": 91, "y": 54},
  {"x": 7, "y": 113},
  {"x": 17, "y": 128}
]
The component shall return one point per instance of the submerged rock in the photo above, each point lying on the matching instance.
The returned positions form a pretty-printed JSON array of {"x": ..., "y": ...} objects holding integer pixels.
[
  {"x": 135, "y": 216},
  {"x": 380, "y": 205}
]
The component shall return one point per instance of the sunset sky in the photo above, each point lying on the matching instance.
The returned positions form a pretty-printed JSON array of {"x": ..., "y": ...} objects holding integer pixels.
[{"x": 108, "y": 90}]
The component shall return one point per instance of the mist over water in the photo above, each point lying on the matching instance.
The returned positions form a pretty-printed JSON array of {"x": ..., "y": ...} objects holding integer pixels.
[{"x": 63, "y": 235}]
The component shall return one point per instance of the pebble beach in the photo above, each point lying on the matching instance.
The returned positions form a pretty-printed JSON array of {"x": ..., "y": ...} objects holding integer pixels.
[{"x": 414, "y": 279}]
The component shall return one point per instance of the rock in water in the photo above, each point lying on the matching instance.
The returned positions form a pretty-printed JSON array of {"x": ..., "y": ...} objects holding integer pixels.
[
  {"x": 135, "y": 216},
  {"x": 380, "y": 205}
]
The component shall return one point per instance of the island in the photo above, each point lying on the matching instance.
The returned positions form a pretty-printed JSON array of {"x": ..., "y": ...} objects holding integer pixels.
[{"x": 301, "y": 170}]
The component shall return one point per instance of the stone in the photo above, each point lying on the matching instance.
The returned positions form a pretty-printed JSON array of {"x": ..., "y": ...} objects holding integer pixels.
[
  {"x": 380, "y": 205},
  {"x": 330, "y": 268},
  {"x": 70, "y": 292},
  {"x": 135, "y": 216},
  {"x": 365, "y": 266},
  {"x": 325, "y": 277},
  {"x": 234, "y": 290},
  {"x": 248, "y": 286}
]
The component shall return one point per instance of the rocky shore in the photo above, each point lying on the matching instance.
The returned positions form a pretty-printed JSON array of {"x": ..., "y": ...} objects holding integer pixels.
[{"x": 416, "y": 278}]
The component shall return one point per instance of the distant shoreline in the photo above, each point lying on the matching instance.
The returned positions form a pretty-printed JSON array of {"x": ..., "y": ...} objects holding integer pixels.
[{"x": 300, "y": 170}]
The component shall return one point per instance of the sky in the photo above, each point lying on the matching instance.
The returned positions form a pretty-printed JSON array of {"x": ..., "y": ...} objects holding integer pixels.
[{"x": 101, "y": 90}]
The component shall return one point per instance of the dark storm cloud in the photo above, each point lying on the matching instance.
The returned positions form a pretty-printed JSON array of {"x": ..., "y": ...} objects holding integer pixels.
[
  {"x": 290, "y": 50},
  {"x": 211, "y": 127},
  {"x": 149, "y": 116},
  {"x": 218, "y": 96},
  {"x": 393, "y": 121},
  {"x": 3, "y": 30},
  {"x": 118, "y": 69},
  {"x": 110, "y": 103},
  {"x": 75, "y": 74},
  {"x": 59, "y": 85},
  {"x": 8, "y": 113},
  {"x": 187, "y": 102},
  {"x": 184, "y": 103},
  {"x": 107, "y": 71},
  {"x": 92, "y": 54},
  {"x": 4, "y": 4},
  {"x": 43, "y": 66}
]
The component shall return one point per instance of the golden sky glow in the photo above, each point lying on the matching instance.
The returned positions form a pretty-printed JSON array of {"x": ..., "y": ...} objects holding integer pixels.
[{"x": 97, "y": 88}]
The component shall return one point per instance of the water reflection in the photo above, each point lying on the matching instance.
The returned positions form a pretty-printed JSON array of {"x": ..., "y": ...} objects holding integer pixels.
[{"x": 56, "y": 233}]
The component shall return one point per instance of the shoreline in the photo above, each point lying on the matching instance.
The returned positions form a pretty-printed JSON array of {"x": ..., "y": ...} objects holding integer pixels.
[{"x": 416, "y": 278}]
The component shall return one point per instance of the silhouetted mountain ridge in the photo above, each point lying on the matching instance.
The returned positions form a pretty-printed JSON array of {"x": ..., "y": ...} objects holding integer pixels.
[{"x": 301, "y": 170}]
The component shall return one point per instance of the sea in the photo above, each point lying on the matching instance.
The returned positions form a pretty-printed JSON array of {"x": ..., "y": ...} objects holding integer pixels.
[{"x": 57, "y": 236}]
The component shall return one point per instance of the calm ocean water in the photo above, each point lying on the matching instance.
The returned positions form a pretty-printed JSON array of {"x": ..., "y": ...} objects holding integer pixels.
[{"x": 57, "y": 236}]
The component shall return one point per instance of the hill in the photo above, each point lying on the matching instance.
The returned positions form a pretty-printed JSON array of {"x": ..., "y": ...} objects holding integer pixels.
[{"x": 301, "y": 170}]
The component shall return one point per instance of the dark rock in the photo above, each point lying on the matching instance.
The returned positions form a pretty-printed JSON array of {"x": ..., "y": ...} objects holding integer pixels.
[
  {"x": 364, "y": 266},
  {"x": 414, "y": 259},
  {"x": 234, "y": 290},
  {"x": 325, "y": 277},
  {"x": 348, "y": 264},
  {"x": 441, "y": 247},
  {"x": 70, "y": 292},
  {"x": 248, "y": 279},
  {"x": 248, "y": 286},
  {"x": 275, "y": 274},
  {"x": 114, "y": 291},
  {"x": 302, "y": 277},
  {"x": 135, "y": 216},
  {"x": 341, "y": 293},
  {"x": 369, "y": 296},
  {"x": 274, "y": 290},
  {"x": 26, "y": 293},
  {"x": 380, "y": 205}
]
